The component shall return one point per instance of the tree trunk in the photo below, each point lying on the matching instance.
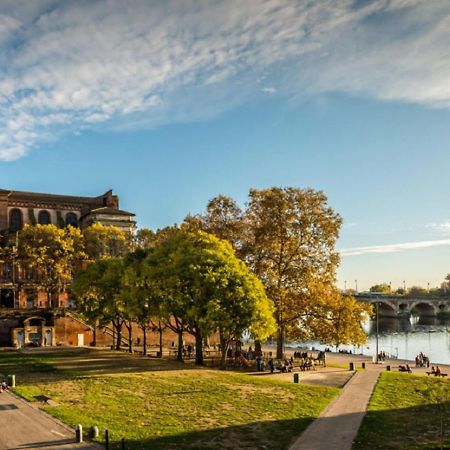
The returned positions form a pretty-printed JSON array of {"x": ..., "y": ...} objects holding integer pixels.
[
  {"x": 94, "y": 335},
  {"x": 280, "y": 342},
  {"x": 180, "y": 346},
  {"x": 223, "y": 349},
  {"x": 113, "y": 336},
  {"x": 160, "y": 330},
  {"x": 130, "y": 336},
  {"x": 144, "y": 331},
  {"x": 199, "y": 348},
  {"x": 119, "y": 334}
]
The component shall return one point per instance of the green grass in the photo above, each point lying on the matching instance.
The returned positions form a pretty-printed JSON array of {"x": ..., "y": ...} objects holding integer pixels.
[
  {"x": 166, "y": 405},
  {"x": 407, "y": 412}
]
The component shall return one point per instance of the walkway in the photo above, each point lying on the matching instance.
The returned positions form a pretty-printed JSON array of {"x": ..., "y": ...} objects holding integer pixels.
[
  {"x": 26, "y": 427},
  {"x": 337, "y": 426}
]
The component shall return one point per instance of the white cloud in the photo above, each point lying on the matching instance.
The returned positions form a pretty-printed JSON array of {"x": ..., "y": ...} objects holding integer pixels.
[
  {"x": 393, "y": 248},
  {"x": 65, "y": 66},
  {"x": 442, "y": 228}
]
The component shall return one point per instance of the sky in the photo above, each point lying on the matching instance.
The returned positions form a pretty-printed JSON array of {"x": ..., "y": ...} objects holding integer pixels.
[{"x": 171, "y": 103}]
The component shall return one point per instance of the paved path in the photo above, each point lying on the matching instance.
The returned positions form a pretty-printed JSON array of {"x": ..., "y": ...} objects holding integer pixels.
[
  {"x": 24, "y": 427},
  {"x": 338, "y": 424}
]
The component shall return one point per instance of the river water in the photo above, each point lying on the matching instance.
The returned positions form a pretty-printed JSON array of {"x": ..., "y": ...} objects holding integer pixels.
[{"x": 404, "y": 339}]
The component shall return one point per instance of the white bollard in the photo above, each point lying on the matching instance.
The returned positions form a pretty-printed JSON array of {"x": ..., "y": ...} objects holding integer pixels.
[{"x": 79, "y": 433}]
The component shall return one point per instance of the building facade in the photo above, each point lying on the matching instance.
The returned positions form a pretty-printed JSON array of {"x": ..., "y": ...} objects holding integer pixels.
[{"x": 26, "y": 314}]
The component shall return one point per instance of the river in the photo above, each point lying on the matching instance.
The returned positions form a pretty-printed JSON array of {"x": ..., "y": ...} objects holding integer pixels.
[{"x": 404, "y": 339}]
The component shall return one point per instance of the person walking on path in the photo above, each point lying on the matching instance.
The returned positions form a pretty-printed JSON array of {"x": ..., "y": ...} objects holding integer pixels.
[{"x": 338, "y": 425}]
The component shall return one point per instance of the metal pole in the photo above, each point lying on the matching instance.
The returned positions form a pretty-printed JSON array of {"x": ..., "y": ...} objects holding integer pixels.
[
  {"x": 376, "y": 359},
  {"x": 106, "y": 440}
]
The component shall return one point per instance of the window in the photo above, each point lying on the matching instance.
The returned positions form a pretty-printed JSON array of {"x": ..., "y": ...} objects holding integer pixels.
[
  {"x": 71, "y": 219},
  {"x": 15, "y": 220},
  {"x": 44, "y": 218}
]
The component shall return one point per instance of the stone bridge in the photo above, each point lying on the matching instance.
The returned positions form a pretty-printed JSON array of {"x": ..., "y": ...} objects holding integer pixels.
[{"x": 405, "y": 306}]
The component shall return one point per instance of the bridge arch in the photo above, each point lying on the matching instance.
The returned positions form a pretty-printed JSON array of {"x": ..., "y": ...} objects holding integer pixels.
[{"x": 424, "y": 309}]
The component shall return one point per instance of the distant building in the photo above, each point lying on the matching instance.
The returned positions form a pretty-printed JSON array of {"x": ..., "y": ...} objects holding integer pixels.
[
  {"x": 19, "y": 208},
  {"x": 25, "y": 313}
]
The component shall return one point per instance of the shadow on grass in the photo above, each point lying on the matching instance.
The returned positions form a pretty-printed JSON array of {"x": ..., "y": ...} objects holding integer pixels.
[
  {"x": 40, "y": 364},
  {"x": 273, "y": 435},
  {"x": 408, "y": 428}
]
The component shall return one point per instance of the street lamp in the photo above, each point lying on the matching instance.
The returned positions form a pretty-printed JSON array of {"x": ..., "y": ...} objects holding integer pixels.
[
  {"x": 356, "y": 286},
  {"x": 376, "y": 334}
]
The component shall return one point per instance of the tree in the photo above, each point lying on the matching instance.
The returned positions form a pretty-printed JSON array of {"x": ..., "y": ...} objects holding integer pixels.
[
  {"x": 53, "y": 254},
  {"x": 98, "y": 293},
  {"x": 103, "y": 241},
  {"x": 417, "y": 291},
  {"x": 290, "y": 236},
  {"x": 342, "y": 321},
  {"x": 223, "y": 218},
  {"x": 383, "y": 287},
  {"x": 205, "y": 288}
]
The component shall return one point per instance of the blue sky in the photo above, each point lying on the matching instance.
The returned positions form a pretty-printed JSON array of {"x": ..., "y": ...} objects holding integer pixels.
[{"x": 171, "y": 103}]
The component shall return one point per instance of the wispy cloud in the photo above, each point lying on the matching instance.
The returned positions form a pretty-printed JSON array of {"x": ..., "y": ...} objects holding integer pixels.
[
  {"x": 67, "y": 66},
  {"x": 442, "y": 228},
  {"x": 393, "y": 248}
]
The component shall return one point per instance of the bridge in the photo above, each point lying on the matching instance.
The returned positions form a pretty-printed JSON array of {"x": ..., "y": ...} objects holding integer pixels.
[{"x": 392, "y": 306}]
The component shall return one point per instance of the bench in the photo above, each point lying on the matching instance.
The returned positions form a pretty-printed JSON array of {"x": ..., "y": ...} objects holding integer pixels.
[{"x": 437, "y": 374}]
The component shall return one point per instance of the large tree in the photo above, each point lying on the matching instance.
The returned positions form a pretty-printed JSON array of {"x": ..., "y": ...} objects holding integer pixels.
[
  {"x": 287, "y": 237},
  {"x": 52, "y": 254},
  {"x": 206, "y": 288},
  {"x": 290, "y": 236},
  {"x": 99, "y": 296}
]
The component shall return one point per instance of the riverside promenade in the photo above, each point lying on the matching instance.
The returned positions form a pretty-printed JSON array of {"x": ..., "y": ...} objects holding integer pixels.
[
  {"x": 338, "y": 425},
  {"x": 26, "y": 427}
]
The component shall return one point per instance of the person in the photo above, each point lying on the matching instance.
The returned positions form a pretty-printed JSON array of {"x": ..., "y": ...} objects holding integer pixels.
[
  {"x": 271, "y": 365},
  {"x": 189, "y": 350},
  {"x": 3, "y": 386},
  {"x": 258, "y": 363},
  {"x": 437, "y": 371}
]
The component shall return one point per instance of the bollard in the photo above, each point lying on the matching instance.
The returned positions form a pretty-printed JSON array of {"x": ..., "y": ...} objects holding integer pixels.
[
  {"x": 363, "y": 365},
  {"x": 79, "y": 433},
  {"x": 106, "y": 440},
  {"x": 351, "y": 366},
  {"x": 93, "y": 432},
  {"x": 12, "y": 381},
  {"x": 296, "y": 378},
  {"x": 388, "y": 368}
]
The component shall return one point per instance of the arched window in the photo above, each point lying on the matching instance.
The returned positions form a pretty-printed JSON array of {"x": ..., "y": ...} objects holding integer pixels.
[
  {"x": 71, "y": 219},
  {"x": 44, "y": 218},
  {"x": 15, "y": 220}
]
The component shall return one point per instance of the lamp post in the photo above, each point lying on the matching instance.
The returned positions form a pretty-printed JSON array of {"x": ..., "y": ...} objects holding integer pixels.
[
  {"x": 356, "y": 286},
  {"x": 376, "y": 332}
]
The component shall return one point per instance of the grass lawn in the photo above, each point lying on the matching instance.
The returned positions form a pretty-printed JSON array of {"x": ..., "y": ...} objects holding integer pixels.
[
  {"x": 164, "y": 404},
  {"x": 407, "y": 412}
]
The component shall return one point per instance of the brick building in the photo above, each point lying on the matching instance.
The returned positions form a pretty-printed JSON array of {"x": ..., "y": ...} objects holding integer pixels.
[{"x": 25, "y": 315}]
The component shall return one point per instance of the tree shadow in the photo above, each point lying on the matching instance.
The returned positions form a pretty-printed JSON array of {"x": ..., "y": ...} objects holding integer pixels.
[{"x": 421, "y": 429}]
